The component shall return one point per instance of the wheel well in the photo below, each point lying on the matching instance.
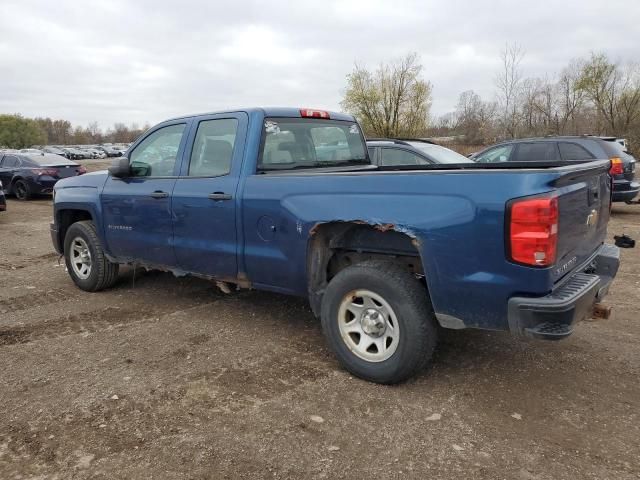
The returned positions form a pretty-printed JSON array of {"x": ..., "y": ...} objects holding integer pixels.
[
  {"x": 66, "y": 218},
  {"x": 337, "y": 245}
]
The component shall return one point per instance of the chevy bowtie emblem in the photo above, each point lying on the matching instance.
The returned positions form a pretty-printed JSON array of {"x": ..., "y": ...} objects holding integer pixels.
[{"x": 592, "y": 218}]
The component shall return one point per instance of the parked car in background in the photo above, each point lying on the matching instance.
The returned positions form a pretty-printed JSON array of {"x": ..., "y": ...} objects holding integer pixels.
[
  {"x": 54, "y": 151},
  {"x": 571, "y": 149},
  {"x": 96, "y": 153},
  {"x": 31, "y": 151},
  {"x": 78, "y": 154},
  {"x": 110, "y": 151},
  {"x": 399, "y": 152},
  {"x": 27, "y": 175},
  {"x": 3, "y": 202},
  {"x": 89, "y": 152}
]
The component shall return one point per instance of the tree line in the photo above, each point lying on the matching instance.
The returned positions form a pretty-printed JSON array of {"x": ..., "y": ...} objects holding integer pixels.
[
  {"x": 593, "y": 95},
  {"x": 17, "y": 131}
]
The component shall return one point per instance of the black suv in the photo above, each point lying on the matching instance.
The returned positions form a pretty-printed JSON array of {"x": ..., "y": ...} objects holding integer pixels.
[{"x": 572, "y": 149}]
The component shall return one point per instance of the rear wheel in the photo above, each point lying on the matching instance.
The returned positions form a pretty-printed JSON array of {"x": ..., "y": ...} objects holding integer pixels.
[
  {"x": 84, "y": 256},
  {"x": 21, "y": 190},
  {"x": 379, "y": 322}
]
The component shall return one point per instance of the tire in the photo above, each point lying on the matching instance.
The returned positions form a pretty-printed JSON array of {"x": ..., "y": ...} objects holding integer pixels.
[
  {"x": 21, "y": 190},
  {"x": 407, "y": 303},
  {"x": 81, "y": 239}
]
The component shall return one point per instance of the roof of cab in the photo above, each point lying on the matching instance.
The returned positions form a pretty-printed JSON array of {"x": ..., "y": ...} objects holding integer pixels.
[{"x": 286, "y": 112}]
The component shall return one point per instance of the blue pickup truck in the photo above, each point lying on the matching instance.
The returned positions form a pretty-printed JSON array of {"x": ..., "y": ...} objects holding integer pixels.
[{"x": 287, "y": 200}]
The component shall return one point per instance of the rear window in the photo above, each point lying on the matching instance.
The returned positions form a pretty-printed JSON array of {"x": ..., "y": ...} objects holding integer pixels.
[
  {"x": 573, "y": 151},
  {"x": 615, "y": 149},
  {"x": 292, "y": 143}
]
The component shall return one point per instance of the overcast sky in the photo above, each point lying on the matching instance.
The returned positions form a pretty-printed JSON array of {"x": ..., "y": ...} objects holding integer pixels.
[{"x": 148, "y": 60}]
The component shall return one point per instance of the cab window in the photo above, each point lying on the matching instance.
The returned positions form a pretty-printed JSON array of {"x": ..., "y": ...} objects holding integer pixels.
[
  {"x": 213, "y": 148},
  {"x": 156, "y": 155}
]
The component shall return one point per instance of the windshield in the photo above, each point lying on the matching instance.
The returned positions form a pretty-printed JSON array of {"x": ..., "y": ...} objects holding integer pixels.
[
  {"x": 440, "y": 154},
  {"x": 291, "y": 143}
]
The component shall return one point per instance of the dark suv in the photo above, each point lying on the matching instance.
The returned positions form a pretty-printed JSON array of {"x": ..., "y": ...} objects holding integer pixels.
[{"x": 572, "y": 149}]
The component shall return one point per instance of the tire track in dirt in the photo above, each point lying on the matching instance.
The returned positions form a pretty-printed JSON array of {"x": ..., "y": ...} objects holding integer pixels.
[
  {"x": 35, "y": 298},
  {"x": 28, "y": 262},
  {"x": 86, "y": 322}
]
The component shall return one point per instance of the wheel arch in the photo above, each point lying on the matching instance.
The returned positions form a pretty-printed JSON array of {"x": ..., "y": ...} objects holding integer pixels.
[
  {"x": 334, "y": 246},
  {"x": 66, "y": 217}
]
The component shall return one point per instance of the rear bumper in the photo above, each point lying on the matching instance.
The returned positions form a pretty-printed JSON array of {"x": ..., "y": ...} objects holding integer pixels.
[
  {"x": 42, "y": 186},
  {"x": 625, "y": 191},
  {"x": 552, "y": 317}
]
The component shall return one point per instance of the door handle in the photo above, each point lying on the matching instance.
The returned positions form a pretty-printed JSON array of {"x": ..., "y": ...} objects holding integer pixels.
[
  {"x": 218, "y": 196},
  {"x": 159, "y": 194}
]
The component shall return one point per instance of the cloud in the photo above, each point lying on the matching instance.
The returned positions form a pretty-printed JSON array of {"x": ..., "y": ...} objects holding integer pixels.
[{"x": 112, "y": 60}]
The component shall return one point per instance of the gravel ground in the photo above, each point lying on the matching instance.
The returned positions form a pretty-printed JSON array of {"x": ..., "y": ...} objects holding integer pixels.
[{"x": 169, "y": 378}]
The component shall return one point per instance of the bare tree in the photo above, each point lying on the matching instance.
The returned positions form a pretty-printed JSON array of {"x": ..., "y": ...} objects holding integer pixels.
[
  {"x": 475, "y": 118},
  {"x": 614, "y": 91},
  {"x": 392, "y": 101},
  {"x": 508, "y": 83}
]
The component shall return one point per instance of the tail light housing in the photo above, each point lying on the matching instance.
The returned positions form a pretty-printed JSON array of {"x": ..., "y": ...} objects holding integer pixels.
[
  {"x": 81, "y": 170},
  {"x": 533, "y": 231},
  {"x": 617, "y": 167},
  {"x": 52, "y": 172},
  {"x": 310, "y": 113}
]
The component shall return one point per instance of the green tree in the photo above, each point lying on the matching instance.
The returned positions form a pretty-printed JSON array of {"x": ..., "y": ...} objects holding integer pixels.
[
  {"x": 393, "y": 101},
  {"x": 19, "y": 132}
]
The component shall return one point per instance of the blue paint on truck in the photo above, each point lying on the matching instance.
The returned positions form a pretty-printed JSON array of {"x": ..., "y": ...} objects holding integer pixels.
[{"x": 263, "y": 218}]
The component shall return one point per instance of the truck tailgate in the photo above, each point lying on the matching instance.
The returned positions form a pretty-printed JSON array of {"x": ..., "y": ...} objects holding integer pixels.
[{"x": 584, "y": 199}]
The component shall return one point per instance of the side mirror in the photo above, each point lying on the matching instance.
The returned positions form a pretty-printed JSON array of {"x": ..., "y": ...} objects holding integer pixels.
[{"x": 120, "y": 167}]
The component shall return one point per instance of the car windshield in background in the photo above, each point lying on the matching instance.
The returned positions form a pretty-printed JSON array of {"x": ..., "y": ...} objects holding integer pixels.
[
  {"x": 440, "y": 154},
  {"x": 291, "y": 143}
]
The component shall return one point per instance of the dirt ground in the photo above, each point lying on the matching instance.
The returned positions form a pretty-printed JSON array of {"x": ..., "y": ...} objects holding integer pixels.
[{"x": 169, "y": 378}]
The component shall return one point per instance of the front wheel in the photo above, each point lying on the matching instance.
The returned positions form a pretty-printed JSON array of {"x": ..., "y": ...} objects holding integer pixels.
[
  {"x": 85, "y": 259},
  {"x": 378, "y": 320}
]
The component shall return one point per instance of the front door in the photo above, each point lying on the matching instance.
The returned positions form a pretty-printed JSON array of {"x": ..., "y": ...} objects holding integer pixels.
[
  {"x": 137, "y": 209},
  {"x": 204, "y": 197}
]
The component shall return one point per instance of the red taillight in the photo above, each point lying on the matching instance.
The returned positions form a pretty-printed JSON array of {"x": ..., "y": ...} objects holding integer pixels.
[
  {"x": 309, "y": 113},
  {"x": 81, "y": 170},
  {"x": 617, "y": 167},
  {"x": 52, "y": 172},
  {"x": 533, "y": 231}
]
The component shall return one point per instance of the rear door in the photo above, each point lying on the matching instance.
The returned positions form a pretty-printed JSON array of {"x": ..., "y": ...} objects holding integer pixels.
[
  {"x": 205, "y": 202},
  {"x": 137, "y": 209}
]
